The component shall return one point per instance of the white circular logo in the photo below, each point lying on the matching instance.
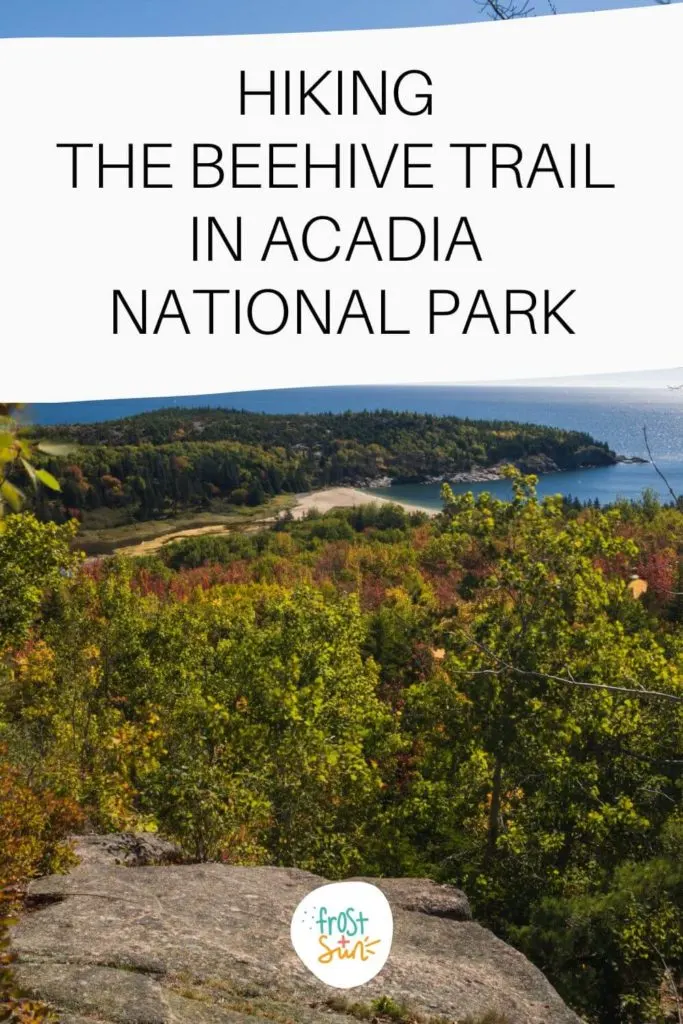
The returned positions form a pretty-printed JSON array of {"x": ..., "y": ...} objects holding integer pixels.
[{"x": 342, "y": 932}]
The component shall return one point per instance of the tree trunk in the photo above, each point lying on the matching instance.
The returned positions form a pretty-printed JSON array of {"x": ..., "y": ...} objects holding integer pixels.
[{"x": 494, "y": 811}]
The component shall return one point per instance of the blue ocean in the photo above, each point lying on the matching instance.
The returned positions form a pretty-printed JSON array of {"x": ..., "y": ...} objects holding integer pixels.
[{"x": 616, "y": 415}]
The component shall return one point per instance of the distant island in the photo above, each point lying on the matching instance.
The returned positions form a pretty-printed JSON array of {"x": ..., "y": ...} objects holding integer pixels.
[{"x": 158, "y": 464}]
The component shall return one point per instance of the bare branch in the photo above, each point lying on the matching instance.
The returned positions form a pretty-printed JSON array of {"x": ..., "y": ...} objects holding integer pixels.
[
  {"x": 567, "y": 680},
  {"x": 649, "y": 760},
  {"x": 668, "y": 973},
  {"x": 505, "y": 10},
  {"x": 657, "y": 469}
]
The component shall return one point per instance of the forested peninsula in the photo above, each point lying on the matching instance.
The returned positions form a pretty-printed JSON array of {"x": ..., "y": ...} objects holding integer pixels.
[{"x": 158, "y": 463}]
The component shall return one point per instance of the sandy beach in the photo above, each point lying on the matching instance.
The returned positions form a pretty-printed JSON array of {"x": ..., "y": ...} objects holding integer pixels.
[
  {"x": 323, "y": 501},
  {"x": 346, "y": 497}
]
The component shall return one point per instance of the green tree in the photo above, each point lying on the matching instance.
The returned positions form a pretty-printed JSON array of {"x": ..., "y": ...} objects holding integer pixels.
[{"x": 16, "y": 455}]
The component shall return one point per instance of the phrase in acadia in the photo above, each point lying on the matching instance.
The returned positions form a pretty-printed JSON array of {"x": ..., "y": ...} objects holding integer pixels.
[{"x": 322, "y": 239}]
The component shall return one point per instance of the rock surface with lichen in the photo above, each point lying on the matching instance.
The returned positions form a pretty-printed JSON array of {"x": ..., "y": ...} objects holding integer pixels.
[{"x": 130, "y": 936}]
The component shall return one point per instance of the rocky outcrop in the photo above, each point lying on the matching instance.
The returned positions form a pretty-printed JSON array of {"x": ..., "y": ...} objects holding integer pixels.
[
  {"x": 144, "y": 849},
  {"x": 116, "y": 942},
  {"x": 540, "y": 465}
]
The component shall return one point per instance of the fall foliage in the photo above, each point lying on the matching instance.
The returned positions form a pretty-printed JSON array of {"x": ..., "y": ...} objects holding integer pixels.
[{"x": 479, "y": 699}]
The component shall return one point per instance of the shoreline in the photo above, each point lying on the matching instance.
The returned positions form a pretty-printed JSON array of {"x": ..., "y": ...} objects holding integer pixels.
[
  {"x": 324, "y": 500},
  {"x": 348, "y": 497},
  {"x": 329, "y": 498}
]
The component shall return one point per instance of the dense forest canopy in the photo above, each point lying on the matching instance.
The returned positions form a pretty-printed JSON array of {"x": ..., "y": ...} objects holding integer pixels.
[
  {"x": 480, "y": 698},
  {"x": 388, "y": 429},
  {"x": 148, "y": 465}
]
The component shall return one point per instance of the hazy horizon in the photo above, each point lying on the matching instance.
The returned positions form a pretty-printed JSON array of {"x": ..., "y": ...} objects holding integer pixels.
[{"x": 669, "y": 377}]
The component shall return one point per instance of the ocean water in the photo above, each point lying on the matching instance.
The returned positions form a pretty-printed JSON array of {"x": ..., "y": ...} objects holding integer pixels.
[{"x": 615, "y": 415}]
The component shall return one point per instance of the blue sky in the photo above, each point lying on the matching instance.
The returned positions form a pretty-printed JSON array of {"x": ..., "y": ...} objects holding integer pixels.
[{"x": 214, "y": 17}]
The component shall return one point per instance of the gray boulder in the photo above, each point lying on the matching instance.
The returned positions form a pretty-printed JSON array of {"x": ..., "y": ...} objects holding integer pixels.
[{"x": 170, "y": 943}]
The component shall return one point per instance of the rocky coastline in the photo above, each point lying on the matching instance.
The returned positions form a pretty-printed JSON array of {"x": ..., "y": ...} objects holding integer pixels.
[{"x": 540, "y": 465}]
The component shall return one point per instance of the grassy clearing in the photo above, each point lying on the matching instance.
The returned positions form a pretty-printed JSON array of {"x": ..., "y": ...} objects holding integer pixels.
[{"x": 133, "y": 538}]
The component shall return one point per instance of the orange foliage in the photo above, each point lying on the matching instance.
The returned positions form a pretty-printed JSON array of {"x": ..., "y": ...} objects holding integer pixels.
[{"x": 33, "y": 827}]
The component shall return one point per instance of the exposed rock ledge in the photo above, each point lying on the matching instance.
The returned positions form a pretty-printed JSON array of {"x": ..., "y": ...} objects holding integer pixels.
[
  {"x": 539, "y": 465},
  {"x": 115, "y": 942}
]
